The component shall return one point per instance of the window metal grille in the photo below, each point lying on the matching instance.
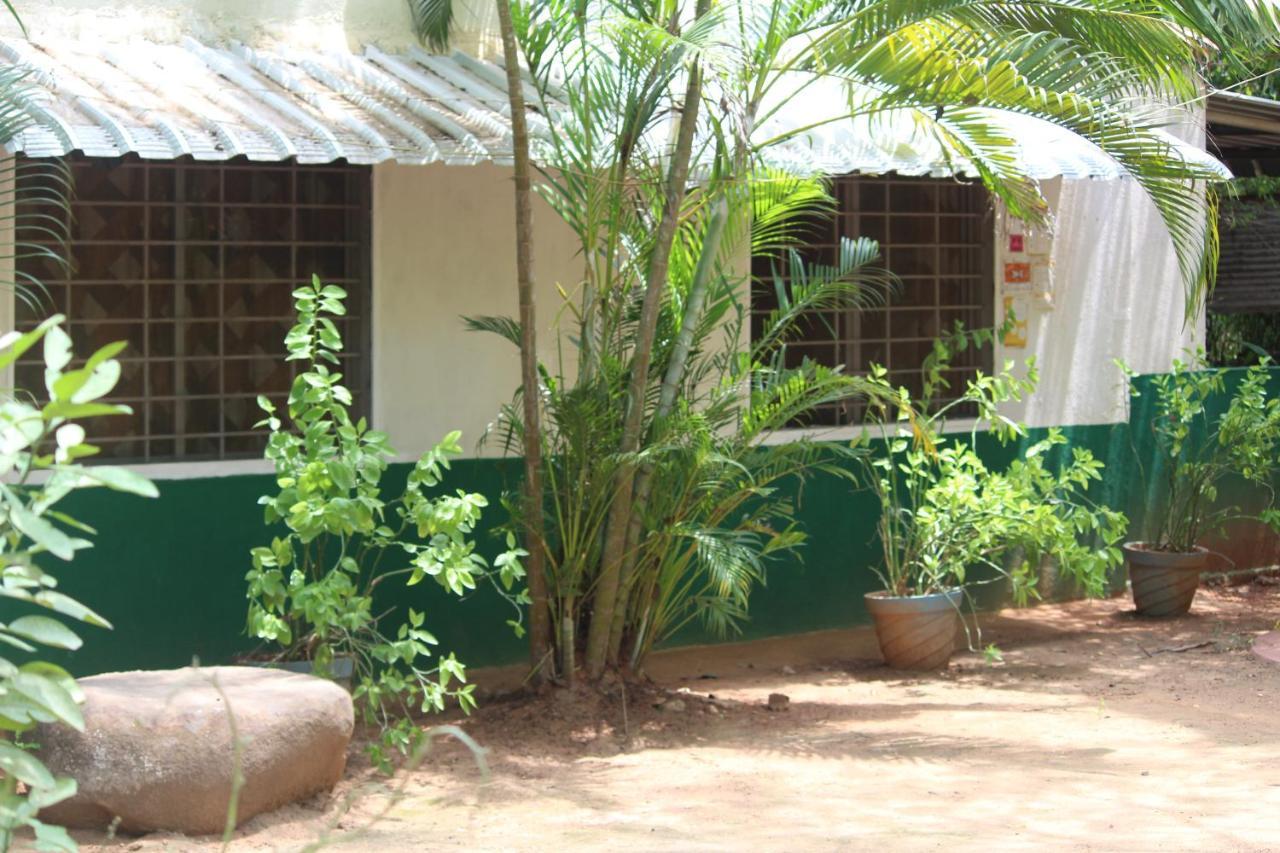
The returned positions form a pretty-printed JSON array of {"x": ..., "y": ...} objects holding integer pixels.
[
  {"x": 935, "y": 235},
  {"x": 192, "y": 264}
]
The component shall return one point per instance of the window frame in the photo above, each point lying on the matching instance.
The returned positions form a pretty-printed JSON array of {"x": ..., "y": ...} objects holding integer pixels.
[
  {"x": 846, "y": 221},
  {"x": 352, "y": 217}
]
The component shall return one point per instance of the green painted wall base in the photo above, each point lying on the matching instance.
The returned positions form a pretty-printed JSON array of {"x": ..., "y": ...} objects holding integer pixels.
[{"x": 169, "y": 573}]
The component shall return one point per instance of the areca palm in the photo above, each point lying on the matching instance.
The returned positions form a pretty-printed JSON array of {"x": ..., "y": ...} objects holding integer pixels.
[
  {"x": 432, "y": 22},
  {"x": 668, "y": 115},
  {"x": 33, "y": 193}
]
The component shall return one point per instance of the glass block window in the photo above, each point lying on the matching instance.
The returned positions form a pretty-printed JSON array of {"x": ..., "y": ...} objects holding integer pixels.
[
  {"x": 192, "y": 264},
  {"x": 936, "y": 236}
]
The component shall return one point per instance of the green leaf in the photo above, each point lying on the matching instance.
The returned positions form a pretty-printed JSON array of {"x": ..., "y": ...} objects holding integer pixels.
[
  {"x": 106, "y": 352},
  {"x": 42, "y": 532},
  {"x": 69, "y": 437},
  {"x": 47, "y": 631},
  {"x": 41, "y": 798},
  {"x": 50, "y": 695},
  {"x": 101, "y": 379},
  {"x": 50, "y": 837},
  {"x": 121, "y": 480},
  {"x": 15, "y": 642},
  {"x": 69, "y": 410},
  {"x": 57, "y": 354},
  {"x": 24, "y": 767},
  {"x": 14, "y": 344},
  {"x": 432, "y": 21},
  {"x": 67, "y": 606}
]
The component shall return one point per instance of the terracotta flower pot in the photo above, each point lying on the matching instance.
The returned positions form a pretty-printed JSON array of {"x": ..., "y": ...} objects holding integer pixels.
[
  {"x": 1164, "y": 582},
  {"x": 918, "y": 631}
]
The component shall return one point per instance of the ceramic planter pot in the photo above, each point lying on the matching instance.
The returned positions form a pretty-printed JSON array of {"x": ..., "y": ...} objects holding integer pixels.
[
  {"x": 1164, "y": 582},
  {"x": 918, "y": 631}
]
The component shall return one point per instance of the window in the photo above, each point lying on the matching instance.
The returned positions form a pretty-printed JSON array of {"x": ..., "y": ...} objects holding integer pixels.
[
  {"x": 935, "y": 235},
  {"x": 192, "y": 264}
]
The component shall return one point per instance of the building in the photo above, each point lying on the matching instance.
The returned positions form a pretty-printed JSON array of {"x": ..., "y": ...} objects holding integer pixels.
[
  {"x": 224, "y": 151},
  {"x": 1244, "y": 131}
]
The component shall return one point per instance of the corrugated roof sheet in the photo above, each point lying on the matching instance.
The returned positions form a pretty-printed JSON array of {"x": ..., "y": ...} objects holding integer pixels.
[
  {"x": 162, "y": 101},
  {"x": 168, "y": 100},
  {"x": 895, "y": 141}
]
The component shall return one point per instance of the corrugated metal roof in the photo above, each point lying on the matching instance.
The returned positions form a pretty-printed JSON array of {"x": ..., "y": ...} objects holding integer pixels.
[
  {"x": 883, "y": 141},
  {"x": 163, "y": 101},
  {"x": 1242, "y": 124},
  {"x": 168, "y": 100}
]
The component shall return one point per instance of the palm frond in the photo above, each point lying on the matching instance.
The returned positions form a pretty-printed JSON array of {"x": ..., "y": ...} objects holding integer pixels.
[
  {"x": 807, "y": 290},
  {"x": 965, "y": 75},
  {"x": 34, "y": 195},
  {"x": 432, "y": 22},
  {"x": 506, "y": 328},
  {"x": 782, "y": 205}
]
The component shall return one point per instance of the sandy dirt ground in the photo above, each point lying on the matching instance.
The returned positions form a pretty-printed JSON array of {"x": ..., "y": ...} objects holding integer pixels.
[{"x": 1097, "y": 731}]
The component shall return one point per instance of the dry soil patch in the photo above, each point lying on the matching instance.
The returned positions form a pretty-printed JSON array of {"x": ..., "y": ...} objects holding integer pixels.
[{"x": 1097, "y": 731}]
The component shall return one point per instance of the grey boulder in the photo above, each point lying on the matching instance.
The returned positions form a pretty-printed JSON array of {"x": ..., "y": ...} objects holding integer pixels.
[{"x": 158, "y": 753}]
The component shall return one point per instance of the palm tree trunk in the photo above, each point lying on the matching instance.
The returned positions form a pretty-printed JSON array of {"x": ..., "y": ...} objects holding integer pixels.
[
  {"x": 666, "y": 402},
  {"x": 606, "y": 592},
  {"x": 535, "y": 536}
]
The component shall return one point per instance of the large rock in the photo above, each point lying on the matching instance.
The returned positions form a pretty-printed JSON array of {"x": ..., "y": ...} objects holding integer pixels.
[
  {"x": 157, "y": 750},
  {"x": 1267, "y": 646}
]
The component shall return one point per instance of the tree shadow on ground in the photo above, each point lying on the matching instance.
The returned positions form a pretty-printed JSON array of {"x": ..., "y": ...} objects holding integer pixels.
[{"x": 1080, "y": 655}]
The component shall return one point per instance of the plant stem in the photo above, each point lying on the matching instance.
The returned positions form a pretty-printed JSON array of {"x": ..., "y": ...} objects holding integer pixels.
[
  {"x": 539, "y": 615},
  {"x": 606, "y": 594},
  {"x": 666, "y": 401}
]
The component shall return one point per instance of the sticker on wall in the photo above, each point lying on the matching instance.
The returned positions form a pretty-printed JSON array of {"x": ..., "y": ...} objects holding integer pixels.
[
  {"x": 1015, "y": 333},
  {"x": 1017, "y": 273},
  {"x": 1025, "y": 258}
]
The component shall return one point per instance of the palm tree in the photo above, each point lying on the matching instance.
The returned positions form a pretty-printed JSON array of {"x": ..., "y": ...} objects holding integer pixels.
[
  {"x": 35, "y": 194},
  {"x": 648, "y": 93},
  {"x": 432, "y": 23}
]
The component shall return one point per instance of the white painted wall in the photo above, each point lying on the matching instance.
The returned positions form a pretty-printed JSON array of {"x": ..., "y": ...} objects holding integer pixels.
[
  {"x": 444, "y": 247},
  {"x": 1117, "y": 294},
  {"x": 299, "y": 23}
]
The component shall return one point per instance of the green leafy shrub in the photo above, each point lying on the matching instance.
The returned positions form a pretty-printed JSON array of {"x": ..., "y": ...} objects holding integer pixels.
[
  {"x": 312, "y": 590},
  {"x": 945, "y": 512},
  {"x": 1197, "y": 452},
  {"x": 714, "y": 501},
  {"x": 40, "y": 446}
]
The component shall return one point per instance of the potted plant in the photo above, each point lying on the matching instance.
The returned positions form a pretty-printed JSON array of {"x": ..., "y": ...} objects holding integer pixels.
[
  {"x": 312, "y": 590},
  {"x": 1196, "y": 453},
  {"x": 948, "y": 521}
]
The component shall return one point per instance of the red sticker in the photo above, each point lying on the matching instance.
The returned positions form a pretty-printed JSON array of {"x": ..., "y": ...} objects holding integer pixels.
[
  {"x": 1015, "y": 242},
  {"x": 1017, "y": 273}
]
